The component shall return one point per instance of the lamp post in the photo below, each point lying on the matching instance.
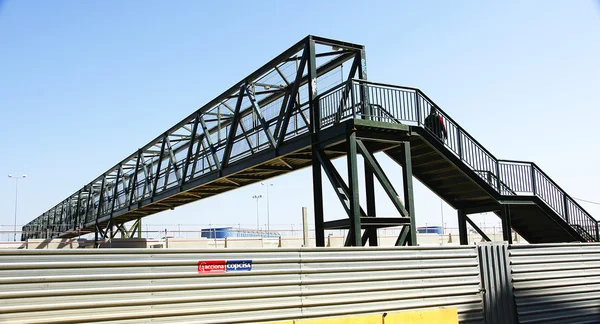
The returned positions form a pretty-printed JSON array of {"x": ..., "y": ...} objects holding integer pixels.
[
  {"x": 16, "y": 200},
  {"x": 268, "y": 212},
  {"x": 442, "y": 212},
  {"x": 257, "y": 197}
]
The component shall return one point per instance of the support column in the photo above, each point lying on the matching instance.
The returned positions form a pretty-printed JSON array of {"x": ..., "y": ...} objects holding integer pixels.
[
  {"x": 506, "y": 225},
  {"x": 139, "y": 228},
  {"x": 371, "y": 211},
  {"x": 318, "y": 200},
  {"x": 355, "y": 227},
  {"x": 408, "y": 193},
  {"x": 462, "y": 227},
  {"x": 315, "y": 127}
]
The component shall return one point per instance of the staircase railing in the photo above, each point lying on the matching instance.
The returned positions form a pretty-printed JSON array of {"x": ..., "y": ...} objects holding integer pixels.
[{"x": 390, "y": 103}]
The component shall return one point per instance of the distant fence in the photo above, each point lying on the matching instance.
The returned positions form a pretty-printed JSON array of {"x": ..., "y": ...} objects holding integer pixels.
[
  {"x": 429, "y": 239},
  {"x": 559, "y": 282}
]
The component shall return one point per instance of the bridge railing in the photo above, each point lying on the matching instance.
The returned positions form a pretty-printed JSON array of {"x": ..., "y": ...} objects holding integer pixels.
[{"x": 390, "y": 103}]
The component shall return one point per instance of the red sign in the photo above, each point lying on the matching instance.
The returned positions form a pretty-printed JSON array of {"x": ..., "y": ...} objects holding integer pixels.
[{"x": 211, "y": 266}]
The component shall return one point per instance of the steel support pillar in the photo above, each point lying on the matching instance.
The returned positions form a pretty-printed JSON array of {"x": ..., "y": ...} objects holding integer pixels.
[
  {"x": 98, "y": 236},
  {"x": 139, "y": 227},
  {"x": 348, "y": 194},
  {"x": 111, "y": 230},
  {"x": 355, "y": 227},
  {"x": 506, "y": 224},
  {"x": 315, "y": 127},
  {"x": 371, "y": 234},
  {"x": 408, "y": 193},
  {"x": 462, "y": 227}
]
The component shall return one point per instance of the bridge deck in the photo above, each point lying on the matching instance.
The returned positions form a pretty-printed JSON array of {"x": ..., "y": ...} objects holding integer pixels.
[{"x": 292, "y": 156}]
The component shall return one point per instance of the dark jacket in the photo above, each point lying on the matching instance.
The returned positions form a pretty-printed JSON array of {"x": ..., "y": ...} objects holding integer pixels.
[{"x": 435, "y": 123}]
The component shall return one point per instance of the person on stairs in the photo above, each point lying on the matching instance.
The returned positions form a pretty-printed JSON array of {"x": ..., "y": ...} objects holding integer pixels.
[{"x": 435, "y": 123}]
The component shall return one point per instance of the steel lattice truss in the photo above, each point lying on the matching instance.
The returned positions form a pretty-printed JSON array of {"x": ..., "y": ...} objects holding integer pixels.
[{"x": 257, "y": 117}]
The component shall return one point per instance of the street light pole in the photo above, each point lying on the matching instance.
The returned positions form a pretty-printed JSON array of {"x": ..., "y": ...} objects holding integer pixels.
[
  {"x": 16, "y": 200},
  {"x": 257, "y": 197},
  {"x": 268, "y": 211},
  {"x": 442, "y": 211}
]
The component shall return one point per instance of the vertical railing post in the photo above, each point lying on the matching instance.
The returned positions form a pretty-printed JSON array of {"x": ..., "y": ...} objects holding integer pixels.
[
  {"x": 566, "y": 208},
  {"x": 417, "y": 108},
  {"x": 498, "y": 176},
  {"x": 459, "y": 140},
  {"x": 354, "y": 110},
  {"x": 597, "y": 232},
  {"x": 364, "y": 88},
  {"x": 533, "y": 184},
  {"x": 352, "y": 95}
]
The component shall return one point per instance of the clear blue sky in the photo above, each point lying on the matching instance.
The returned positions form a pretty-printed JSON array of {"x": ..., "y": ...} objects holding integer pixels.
[{"x": 85, "y": 83}]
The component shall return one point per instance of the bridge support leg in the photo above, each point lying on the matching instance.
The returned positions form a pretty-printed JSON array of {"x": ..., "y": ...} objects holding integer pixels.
[
  {"x": 506, "y": 225},
  {"x": 370, "y": 233},
  {"x": 97, "y": 232},
  {"x": 354, "y": 212},
  {"x": 408, "y": 193},
  {"x": 462, "y": 227},
  {"x": 139, "y": 227},
  {"x": 315, "y": 115},
  {"x": 318, "y": 199}
]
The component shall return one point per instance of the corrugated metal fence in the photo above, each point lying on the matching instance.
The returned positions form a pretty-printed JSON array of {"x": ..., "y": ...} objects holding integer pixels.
[
  {"x": 496, "y": 282},
  {"x": 166, "y": 286},
  {"x": 556, "y": 283}
]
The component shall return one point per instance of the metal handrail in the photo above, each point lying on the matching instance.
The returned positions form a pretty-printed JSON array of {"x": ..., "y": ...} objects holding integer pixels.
[{"x": 557, "y": 197}]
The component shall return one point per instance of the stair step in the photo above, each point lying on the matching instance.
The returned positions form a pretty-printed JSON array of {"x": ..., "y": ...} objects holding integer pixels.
[
  {"x": 466, "y": 192},
  {"x": 474, "y": 196},
  {"x": 447, "y": 176},
  {"x": 425, "y": 154},
  {"x": 443, "y": 184},
  {"x": 443, "y": 170},
  {"x": 463, "y": 188},
  {"x": 430, "y": 163}
]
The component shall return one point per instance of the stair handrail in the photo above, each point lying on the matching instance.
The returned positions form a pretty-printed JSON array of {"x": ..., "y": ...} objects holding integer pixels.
[
  {"x": 565, "y": 195},
  {"x": 446, "y": 116},
  {"x": 463, "y": 132},
  {"x": 488, "y": 162}
]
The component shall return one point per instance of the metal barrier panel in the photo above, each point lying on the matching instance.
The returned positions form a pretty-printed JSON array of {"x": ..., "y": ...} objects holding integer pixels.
[
  {"x": 556, "y": 283},
  {"x": 376, "y": 280},
  {"x": 233, "y": 286},
  {"x": 134, "y": 285},
  {"x": 498, "y": 300}
]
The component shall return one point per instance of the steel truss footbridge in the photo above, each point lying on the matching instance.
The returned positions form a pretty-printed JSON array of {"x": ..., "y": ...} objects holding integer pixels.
[{"x": 306, "y": 107}]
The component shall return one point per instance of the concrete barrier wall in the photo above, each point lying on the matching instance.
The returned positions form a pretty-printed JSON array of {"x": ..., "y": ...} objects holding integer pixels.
[
  {"x": 185, "y": 243},
  {"x": 52, "y": 244}
]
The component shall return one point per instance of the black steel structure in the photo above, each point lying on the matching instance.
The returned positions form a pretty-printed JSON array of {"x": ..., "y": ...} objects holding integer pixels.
[{"x": 306, "y": 107}]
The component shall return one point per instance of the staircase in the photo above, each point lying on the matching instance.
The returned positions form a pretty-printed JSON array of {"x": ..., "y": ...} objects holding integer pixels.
[{"x": 467, "y": 176}]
